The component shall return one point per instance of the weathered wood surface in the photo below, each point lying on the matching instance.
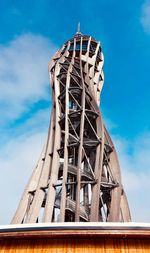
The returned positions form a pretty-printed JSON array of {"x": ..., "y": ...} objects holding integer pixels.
[
  {"x": 76, "y": 245},
  {"x": 72, "y": 238}
]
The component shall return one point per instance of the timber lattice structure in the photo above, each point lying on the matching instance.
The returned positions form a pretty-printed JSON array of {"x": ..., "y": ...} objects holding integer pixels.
[{"x": 77, "y": 177}]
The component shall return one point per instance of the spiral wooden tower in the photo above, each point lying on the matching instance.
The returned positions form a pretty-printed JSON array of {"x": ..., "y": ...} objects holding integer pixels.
[{"x": 77, "y": 177}]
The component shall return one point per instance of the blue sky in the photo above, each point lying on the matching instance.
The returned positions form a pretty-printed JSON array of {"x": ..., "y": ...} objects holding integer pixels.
[{"x": 30, "y": 32}]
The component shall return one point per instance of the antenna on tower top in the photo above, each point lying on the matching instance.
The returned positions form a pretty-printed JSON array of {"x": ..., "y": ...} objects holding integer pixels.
[{"x": 78, "y": 29}]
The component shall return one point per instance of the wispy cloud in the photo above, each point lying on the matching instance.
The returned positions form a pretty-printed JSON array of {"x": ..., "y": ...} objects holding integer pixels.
[
  {"x": 17, "y": 159},
  {"x": 23, "y": 74},
  {"x": 135, "y": 167},
  {"x": 145, "y": 16},
  {"x": 23, "y": 81}
]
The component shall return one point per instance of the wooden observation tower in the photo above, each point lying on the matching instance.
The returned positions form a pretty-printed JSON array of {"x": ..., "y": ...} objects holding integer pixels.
[
  {"x": 77, "y": 177},
  {"x": 74, "y": 200}
]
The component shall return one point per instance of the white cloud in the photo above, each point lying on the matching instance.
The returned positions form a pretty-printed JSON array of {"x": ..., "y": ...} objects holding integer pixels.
[
  {"x": 38, "y": 122},
  {"x": 23, "y": 74},
  {"x": 134, "y": 158},
  {"x": 145, "y": 16},
  {"x": 17, "y": 160},
  {"x": 23, "y": 81}
]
